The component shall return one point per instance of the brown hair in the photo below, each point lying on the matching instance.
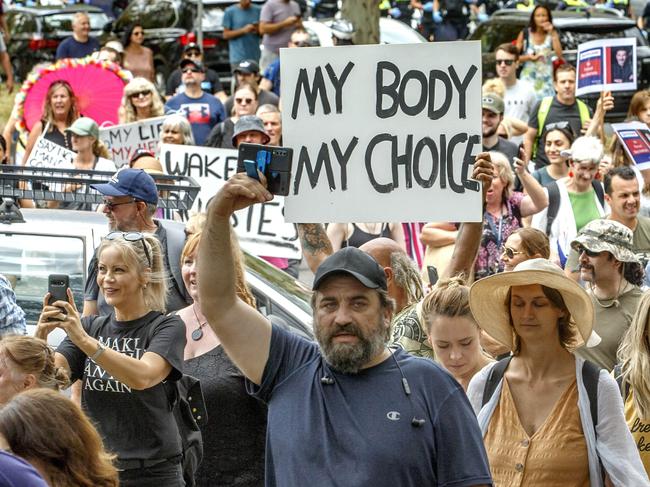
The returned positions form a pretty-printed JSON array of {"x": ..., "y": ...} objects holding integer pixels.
[
  {"x": 48, "y": 114},
  {"x": 532, "y": 24},
  {"x": 562, "y": 68},
  {"x": 449, "y": 298},
  {"x": 243, "y": 292},
  {"x": 47, "y": 428},
  {"x": 638, "y": 102},
  {"x": 29, "y": 355},
  {"x": 508, "y": 48},
  {"x": 533, "y": 241}
]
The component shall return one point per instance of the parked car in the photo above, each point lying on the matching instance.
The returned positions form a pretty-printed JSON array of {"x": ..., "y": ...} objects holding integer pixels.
[
  {"x": 63, "y": 241},
  {"x": 169, "y": 27},
  {"x": 574, "y": 28},
  {"x": 37, "y": 31},
  {"x": 390, "y": 32}
]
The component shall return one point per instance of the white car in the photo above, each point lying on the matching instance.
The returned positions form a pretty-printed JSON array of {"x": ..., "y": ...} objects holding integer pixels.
[{"x": 390, "y": 32}]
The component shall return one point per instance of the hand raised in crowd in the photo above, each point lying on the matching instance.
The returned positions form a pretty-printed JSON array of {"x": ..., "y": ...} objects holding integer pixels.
[
  {"x": 483, "y": 171},
  {"x": 53, "y": 317},
  {"x": 240, "y": 191},
  {"x": 605, "y": 101}
]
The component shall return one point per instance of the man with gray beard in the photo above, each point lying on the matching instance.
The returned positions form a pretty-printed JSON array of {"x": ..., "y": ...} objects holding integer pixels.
[{"x": 346, "y": 410}]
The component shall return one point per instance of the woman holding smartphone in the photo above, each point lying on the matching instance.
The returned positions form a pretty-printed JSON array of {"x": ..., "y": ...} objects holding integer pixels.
[{"x": 122, "y": 359}]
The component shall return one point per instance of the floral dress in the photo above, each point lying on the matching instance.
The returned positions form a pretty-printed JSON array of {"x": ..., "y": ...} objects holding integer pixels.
[
  {"x": 539, "y": 73},
  {"x": 495, "y": 233}
]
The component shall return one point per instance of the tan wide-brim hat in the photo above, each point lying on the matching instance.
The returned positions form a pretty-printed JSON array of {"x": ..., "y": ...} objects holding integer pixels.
[{"x": 487, "y": 299}]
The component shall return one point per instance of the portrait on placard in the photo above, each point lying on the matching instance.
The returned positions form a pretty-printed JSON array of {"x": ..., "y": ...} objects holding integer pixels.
[
  {"x": 606, "y": 65},
  {"x": 620, "y": 65}
]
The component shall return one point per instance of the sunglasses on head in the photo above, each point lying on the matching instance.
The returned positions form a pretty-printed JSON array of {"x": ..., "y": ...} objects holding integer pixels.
[
  {"x": 557, "y": 125},
  {"x": 507, "y": 62},
  {"x": 510, "y": 253},
  {"x": 191, "y": 70},
  {"x": 590, "y": 253},
  {"x": 244, "y": 101},
  {"x": 131, "y": 237},
  {"x": 141, "y": 93}
]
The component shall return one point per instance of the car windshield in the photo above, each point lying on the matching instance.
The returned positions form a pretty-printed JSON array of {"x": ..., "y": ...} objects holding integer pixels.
[
  {"x": 283, "y": 283},
  {"x": 397, "y": 33},
  {"x": 570, "y": 39},
  {"x": 27, "y": 261},
  {"x": 152, "y": 14},
  {"x": 63, "y": 21},
  {"x": 213, "y": 17}
]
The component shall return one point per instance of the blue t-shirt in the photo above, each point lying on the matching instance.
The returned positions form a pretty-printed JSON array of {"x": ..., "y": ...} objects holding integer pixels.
[
  {"x": 70, "y": 48},
  {"x": 357, "y": 430},
  {"x": 203, "y": 113},
  {"x": 16, "y": 472},
  {"x": 246, "y": 46},
  {"x": 272, "y": 73}
]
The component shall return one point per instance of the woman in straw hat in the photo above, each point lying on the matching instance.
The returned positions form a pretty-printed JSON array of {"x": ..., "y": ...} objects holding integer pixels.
[{"x": 537, "y": 421}]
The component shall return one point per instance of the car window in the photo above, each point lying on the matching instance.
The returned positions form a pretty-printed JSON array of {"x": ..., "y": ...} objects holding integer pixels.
[
  {"x": 27, "y": 261},
  {"x": 398, "y": 33},
  {"x": 21, "y": 23},
  {"x": 152, "y": 14},
  {"x": 571, "y": 38},
  {"x": 63, "y": 21}
]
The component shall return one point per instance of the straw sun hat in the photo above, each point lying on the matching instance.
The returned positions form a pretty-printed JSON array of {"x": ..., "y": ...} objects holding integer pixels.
[{"x": 487, "y": 299}]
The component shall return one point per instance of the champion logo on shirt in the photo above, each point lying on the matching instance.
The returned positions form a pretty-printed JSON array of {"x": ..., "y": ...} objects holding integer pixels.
[{"x": 393, "y": 415}]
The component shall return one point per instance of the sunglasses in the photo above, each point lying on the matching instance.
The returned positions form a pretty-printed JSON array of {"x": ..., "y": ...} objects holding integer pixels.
[
  {"x": 138, "y": 33},
  {"x": 111, "y": 206},
  {"x": 590, "y": 253},
  {"x": 193, "y": 54},
  {"x": 244, "y": 101},
  {"x": 510, "y": 253},
  {"x": 191, "y": 70},
  {"x": 131, "y": 237},
  {"x": 558, "y": 125},
  {"x": 143, "y": 93},
  {"x": 507, "y": 62}
]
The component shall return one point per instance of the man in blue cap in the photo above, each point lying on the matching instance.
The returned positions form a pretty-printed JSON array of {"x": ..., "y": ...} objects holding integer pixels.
[
  {"x": 346, "y": 410},
  {"x": 130, "y": 202}
]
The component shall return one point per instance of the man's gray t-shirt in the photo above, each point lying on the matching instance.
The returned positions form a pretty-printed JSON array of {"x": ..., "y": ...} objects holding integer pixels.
[{"x": 275, "y": 11}]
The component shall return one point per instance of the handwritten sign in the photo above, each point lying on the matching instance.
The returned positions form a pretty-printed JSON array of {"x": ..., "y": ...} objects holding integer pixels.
[
  {"x": 606, "y": 65},
  {"x": 635, "y": 138},
  {"x": 123, "y": 140},
  {"x": 383, "y": 133},
  {"x": 48, "y": 154},
  {"x": 261, "y": 228}
]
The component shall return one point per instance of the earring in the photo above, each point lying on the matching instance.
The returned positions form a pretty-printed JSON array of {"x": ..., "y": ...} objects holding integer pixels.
[{"x": 570, "y": 173}]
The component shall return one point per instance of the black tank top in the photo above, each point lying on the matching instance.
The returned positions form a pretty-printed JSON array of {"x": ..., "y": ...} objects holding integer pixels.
[{"x": 358, "y": 237}]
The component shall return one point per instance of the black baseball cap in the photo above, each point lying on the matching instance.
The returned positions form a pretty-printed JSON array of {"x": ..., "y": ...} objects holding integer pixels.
[
  {"x": 354, "y": 262},
  {"x": 193, "y": 46},
  {"x": 186, "y": 62}
]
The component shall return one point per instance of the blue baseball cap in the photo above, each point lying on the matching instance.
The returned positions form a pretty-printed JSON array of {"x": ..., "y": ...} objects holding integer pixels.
[{"x": 130, "y": 182}]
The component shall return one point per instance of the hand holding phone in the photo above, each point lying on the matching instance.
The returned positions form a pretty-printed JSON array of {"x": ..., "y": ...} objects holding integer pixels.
[
  {"x": 57, "y": 286},
  {"x": 273, "y": 162}
]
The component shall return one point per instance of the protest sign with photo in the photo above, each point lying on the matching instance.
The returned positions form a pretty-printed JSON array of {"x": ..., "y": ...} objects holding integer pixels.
[
  {"x": 123, "y": 140},
  {"x": 46, "y": 153},
  {"x": 383, "y": 133},
  {"x": 606, "y": 65},
  {"x": 261, "y": 228},
  {"x": 635, "y": 138}
]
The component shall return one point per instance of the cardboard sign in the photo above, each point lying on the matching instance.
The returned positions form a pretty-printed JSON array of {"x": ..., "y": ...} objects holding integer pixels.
[
  {"x": 606, "y": 65},
  {"x": 123, "y": 140},
  {"x": 635, "y": 138},
  {"x": 383, "y": 133},
  {"x": 48, "y": 154},
  {"x": 261, "y": 228}
]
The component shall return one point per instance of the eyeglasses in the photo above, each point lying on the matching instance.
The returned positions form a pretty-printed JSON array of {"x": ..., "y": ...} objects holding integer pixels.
[
  {"x": 590, "y": 253},
  {"x": 143, "y": 93},
  {"x": 192, "y": 54},
  {"x": 243, "y": 101},
  {"x": 111, "y": 206},
  {"x": 557, "y": 125},
  {"x": 510, "y": 253},
  {"x": 302, "y": 44},
  {"x": 192, "y": 70},
  {"x": 507, "y": 62},
  {"x": 138, "y": 33},
  {"x": 131, "y": 237}
]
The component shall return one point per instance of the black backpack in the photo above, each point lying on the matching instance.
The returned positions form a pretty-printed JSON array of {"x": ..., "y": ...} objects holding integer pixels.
[
  {"x": 554, "y": 201},
  {"x": 454, "y": 8}
]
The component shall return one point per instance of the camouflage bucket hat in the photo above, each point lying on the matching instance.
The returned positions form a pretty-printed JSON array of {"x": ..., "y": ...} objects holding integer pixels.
[{"x": 607, "y": 236}]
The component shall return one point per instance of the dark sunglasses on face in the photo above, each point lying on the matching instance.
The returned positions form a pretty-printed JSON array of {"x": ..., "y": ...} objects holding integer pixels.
[
  {"x": 192, "y": 54},
  {"x": 510, "y": 253},
  {"x": 142, "y": 93},
  {"x": 191, "y": 70},
  {"x": 507, "y": 62},
  {"x": 243, "y": 101},
  {"x": 581, "y": 248},
  {"x": 131, "y": 237},
  {"x": 138, "y": 33}
]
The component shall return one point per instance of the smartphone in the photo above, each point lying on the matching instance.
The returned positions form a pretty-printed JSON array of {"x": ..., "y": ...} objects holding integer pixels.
[
  {"x": 274, "y": 162},
  {"x": 57, "y": 286},
  {"x": 433, "y": 274}
]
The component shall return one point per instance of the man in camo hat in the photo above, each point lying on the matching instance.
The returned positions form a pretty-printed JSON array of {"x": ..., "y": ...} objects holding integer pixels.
[{"x": 613, "y": 275}]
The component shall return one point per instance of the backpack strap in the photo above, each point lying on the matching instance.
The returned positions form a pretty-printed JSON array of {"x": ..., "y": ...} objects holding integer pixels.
[
  {"x": 175, "y": 243},
  {"x": 542, "y": 113},
  {"x": 495, "y": 376},
  {"x": 553, "y": 205},
  {"x": 600, "y": 192}
]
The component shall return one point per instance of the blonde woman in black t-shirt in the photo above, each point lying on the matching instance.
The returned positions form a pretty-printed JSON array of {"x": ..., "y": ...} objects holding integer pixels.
[{"x": 122, "y": 359}]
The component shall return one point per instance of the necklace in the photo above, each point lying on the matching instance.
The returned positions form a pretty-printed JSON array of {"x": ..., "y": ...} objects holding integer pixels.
[{"x": 198, "y": 333}]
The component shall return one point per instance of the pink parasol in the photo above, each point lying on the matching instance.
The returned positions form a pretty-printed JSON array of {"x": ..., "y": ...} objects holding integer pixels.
[{"x": 98, "y": 87}]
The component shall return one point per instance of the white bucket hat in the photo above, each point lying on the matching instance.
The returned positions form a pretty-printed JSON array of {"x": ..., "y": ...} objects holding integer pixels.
[{"x": 487, "y": 299}]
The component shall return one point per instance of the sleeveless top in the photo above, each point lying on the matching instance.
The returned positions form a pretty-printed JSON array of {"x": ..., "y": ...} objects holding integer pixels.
[
  {"x": 358, "y": 237},
  {"x": 554, "y": 456},
  {"x": 640, "y": 429}
]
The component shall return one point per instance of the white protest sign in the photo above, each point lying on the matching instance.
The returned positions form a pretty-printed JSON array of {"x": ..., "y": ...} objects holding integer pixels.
[
  {"x": 635, "y": 138},
  {"x": 606, "y": 65},
  {"x": 261, "y": 228},
  {"x": 123, "y": 140},
  {"x": 46, "y": 153},
  {"x": 383, "y": 133}
]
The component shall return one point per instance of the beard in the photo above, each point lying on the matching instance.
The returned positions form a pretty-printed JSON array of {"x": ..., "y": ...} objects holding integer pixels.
[{"x": 349, "y": 358}]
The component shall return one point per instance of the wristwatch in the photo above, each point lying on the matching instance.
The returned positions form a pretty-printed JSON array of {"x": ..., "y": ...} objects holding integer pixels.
[{"x": 98, "y": 353}]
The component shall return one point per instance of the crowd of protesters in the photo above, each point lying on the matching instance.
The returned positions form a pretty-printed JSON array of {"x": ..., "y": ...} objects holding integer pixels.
[{"x": 512, "y": 351}]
